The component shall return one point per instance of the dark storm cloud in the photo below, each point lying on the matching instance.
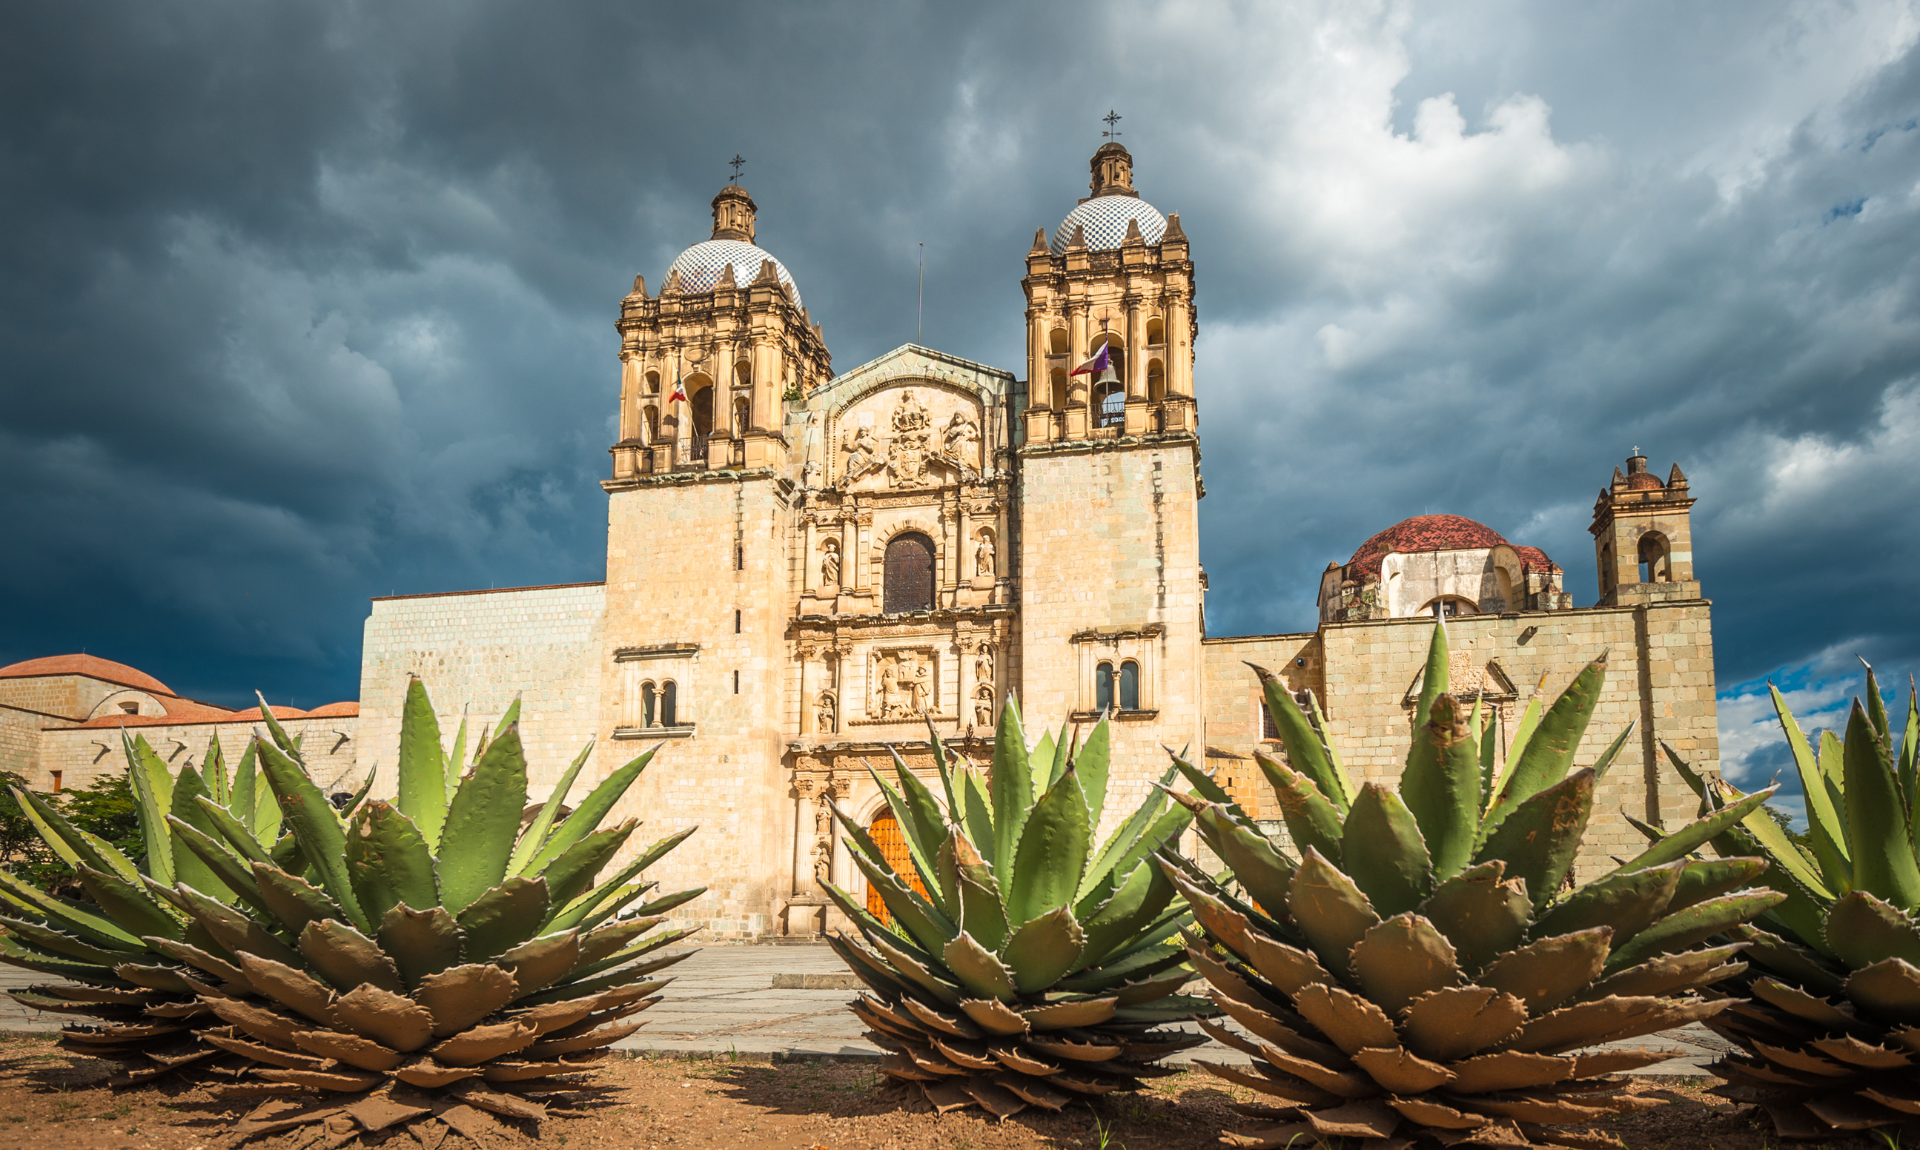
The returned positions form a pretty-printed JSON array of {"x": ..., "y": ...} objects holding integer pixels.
[{"x": 313, "y": 302}]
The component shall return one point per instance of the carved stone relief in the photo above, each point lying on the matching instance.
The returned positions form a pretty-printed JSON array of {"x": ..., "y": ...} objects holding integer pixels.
[
  {"x": 917, "y": 439},
  {"x": 903, "y": 684}
]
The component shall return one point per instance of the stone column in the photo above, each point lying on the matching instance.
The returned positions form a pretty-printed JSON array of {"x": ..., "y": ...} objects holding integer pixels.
[
  {"x": 805, "y": 788},
  {"x": 1136, "y": 351},
  {"x": 849, "y": 539},
  {"x": 1037, "y": 351},
  {"x": 808, "y": 555},
  {"x": 963, "y": 560},
  {"x": 1179, "y": 364},
  {"x": 863, "y": 542},
  {"x": 766, "y": 397}
]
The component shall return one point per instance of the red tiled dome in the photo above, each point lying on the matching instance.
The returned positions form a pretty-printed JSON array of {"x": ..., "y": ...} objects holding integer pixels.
[
  {"x": 1421, "y": 533},
  {"x": 91, "y": 665},
  {"x": 332, "y": 710},
  {"x": 1644, "y": 481}
]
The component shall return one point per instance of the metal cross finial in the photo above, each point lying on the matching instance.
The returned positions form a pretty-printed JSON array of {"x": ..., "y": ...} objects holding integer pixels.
[
  {"x": 737, "y": 163},
  {"x": 1111, "y": 119},
  {"x": 1636, "y": 449}
]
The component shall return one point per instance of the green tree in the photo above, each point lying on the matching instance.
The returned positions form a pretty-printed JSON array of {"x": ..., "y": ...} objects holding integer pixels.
[
  {"x": 21, "y": 847},
  {"x": 104, "y": 808}
]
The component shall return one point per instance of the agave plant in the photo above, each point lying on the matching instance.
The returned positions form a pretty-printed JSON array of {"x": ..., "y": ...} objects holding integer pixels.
[
  {"x": 438, "y": 942},
  {"x": 1036, "y": 968},
  {"x": 1423, "y": 969},
  {"x": 1831, "y": 1036},
  {"x": 111, "y": 972}
]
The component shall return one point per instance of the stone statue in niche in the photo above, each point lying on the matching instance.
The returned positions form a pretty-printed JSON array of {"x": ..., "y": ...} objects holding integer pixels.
[
  {"x": 830, "y": 564},
  {"x": 863, "y": 454},
  {"x": 983, "y": 555},
  {"x": 962, "y": 438},
  {"x": 983, "y": 706},
  {"x": 810, "y": 473},
  {"x": 822, "y": 842},
  {"x": 912, "y": 442},
  {"x": 823, "y": 715},
  {"x": 983, "y": 666}
]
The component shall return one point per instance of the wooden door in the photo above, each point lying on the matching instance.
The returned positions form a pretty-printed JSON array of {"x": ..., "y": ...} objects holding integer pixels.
[{"x": 893, "y": 847}]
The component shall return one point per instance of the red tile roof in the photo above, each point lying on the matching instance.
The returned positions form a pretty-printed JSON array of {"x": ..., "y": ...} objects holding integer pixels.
[
  {"x": 1644, "y": 481},
  {"x": 91, "y": 665},
  {"x": 344, "y": 710},
  {"x": 1434, "y": 533}
]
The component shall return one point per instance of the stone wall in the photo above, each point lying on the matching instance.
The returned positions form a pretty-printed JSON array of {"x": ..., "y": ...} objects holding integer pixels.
[
  {"x": 1110, "y": 571},
  {"x": 476, "y": 650},
  {"x": 20, "y": 742},
  {"x": 1659, "y": 675},
  {"x": 684, "y": 553},
  {"x": 83, "y": 754}
]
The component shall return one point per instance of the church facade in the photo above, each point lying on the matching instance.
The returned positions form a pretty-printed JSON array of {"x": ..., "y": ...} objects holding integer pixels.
[{"x": 805, "y": 569}]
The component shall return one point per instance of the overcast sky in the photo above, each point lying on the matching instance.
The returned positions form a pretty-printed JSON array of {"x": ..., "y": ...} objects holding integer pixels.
[{"x": 310, "y": 302}]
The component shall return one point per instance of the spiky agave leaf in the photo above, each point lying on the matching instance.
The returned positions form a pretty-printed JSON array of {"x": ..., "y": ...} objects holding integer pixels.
[
  {"x": 1830, "y": 1038},
  {"x": 1039, "y": 964},
  {"x": 430, "y": 942},
  {"x": 109, "y": 951},
  {"x": 1418, "y": 971}
]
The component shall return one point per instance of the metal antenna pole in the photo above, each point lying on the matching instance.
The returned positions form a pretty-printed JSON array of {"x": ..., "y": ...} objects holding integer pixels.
[{"x": 920, "y": 309}]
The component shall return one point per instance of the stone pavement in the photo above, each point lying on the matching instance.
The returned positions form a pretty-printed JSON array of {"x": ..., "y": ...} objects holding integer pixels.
[{"x": 791, "y": 1001}]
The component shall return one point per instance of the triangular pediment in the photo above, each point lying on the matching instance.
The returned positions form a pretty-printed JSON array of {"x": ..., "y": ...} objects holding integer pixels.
[{"x": 911, "y": 361}]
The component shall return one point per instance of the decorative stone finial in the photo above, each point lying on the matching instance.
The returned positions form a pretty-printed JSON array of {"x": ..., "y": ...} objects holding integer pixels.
[
  {"x": 733, "y": 214},
  {"x": 1113, "y": 171}
]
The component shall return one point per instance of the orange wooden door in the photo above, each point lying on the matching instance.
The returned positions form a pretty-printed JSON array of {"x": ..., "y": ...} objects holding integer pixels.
[{"x": 893, "y": 847}]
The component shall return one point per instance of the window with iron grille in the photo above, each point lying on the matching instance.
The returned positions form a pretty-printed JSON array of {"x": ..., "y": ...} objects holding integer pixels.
[{"x": 909, "y": 573}]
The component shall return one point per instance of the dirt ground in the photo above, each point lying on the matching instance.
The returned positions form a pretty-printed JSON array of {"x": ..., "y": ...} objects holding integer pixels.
[{"x": 50, "y": 1100}]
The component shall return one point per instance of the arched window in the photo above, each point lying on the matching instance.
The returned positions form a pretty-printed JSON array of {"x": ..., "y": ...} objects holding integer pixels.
[
  {"x": 1448, "y": 606},
  {"x": 1103, "y": 687},
  {"x": 1503, "y": 581},
  {"x": 702, "y": 403},
  {"x": 668, "y": 697},
  {"x": 743, "y": 373},
  {"x": 1654, "y": 565},
  {"x": 1156, "y": 380},
  {"x": 1057, "y": 342},
  {"x": 1060, "y": 384},
  {"x": 1129, "y": 686},
  {"x": 652, "y": 420},
  {"x": 649, "y": 700},
  {"x": 1156, "y": 330},
  {"x": 909, "y": 573},
  {"x": 653, "y": 383}
]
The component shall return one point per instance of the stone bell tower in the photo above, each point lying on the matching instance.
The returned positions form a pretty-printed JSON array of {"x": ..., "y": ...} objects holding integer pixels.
[
  {"x": 729, "y": 323},
  {"x": 1109, "y": 563},
  {"x": 1643, "y": 538}
]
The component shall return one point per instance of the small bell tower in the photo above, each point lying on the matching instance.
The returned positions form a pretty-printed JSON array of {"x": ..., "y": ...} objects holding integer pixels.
[{"x": 1643, "y": 537}]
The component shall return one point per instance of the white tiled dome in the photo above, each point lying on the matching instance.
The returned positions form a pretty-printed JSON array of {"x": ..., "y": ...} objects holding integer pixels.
[
  {"x": 700, "y": 265},
  {"x": 1105, "y": 219}
]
